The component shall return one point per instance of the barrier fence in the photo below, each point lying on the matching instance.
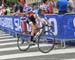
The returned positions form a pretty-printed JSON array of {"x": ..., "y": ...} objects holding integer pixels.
[{"x": 64, "y": 25}]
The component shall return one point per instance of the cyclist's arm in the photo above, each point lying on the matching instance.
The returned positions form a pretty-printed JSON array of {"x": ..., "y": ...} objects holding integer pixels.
[
  {"x": 49, "y": 24},
  {"x": 38, "y": 18},
  {"x": 47, "y": 21}
]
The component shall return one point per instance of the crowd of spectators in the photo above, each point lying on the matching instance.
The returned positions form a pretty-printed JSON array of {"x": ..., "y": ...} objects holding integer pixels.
[{"x": 62, "y": 6}]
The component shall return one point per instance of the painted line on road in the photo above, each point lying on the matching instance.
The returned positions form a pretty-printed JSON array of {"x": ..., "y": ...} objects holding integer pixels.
[
  {"x": 8, "y": 43},
  {"x": 4, "y": 34},
  {"x": 6, "y": 37},
  {"x": 69, "y": 59},
  {"x": 2, "y": 40},
  {"x": 16, "y": 48},
  {"x": 33, "y": 54},
  {"x": 1, "y": 32}
]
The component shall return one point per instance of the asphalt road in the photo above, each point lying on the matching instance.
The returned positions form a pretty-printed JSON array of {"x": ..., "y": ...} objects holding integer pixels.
[{"x": 10, "y": 51}]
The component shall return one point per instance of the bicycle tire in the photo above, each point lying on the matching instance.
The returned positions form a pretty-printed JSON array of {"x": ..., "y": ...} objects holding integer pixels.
[
  {"x": 22, "y": 46},
  {"x": 51, "y": 45}
]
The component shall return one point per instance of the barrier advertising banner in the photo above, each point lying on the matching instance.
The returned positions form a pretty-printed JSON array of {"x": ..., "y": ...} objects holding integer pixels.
[
  {"x": 64, "y": 25},
  {"x": 68, "y": 29},
  {"x": 10, "y": 23}
]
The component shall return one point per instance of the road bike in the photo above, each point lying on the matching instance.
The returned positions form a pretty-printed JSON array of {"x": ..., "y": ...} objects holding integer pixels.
[{"x": 44, "y": 39}]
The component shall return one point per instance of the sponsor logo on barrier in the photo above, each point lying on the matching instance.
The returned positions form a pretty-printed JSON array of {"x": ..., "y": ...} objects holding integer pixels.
[
  {"x": 54, "y": 22},
  {"x": 74, "y": 22},
  {"x": 17, "y": 24},
  {"x": 67, "y": 32},
  {"x": 74, "y": 25},
  {"x": 6, "y": 22}
]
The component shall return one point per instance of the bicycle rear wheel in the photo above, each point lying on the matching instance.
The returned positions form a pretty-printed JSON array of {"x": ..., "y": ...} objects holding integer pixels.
[
  {"x": 22, "y": 43},
  {"x": 46, "y": 41}
]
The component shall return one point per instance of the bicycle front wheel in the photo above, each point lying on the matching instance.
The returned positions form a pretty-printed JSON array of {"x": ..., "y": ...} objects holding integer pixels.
[
  {"x": 46, "y": 41},
  {"x": 22, "y": 44}
]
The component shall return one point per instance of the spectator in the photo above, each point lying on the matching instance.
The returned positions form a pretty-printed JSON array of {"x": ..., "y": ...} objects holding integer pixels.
[
  {"x": 35, "y": 8},
  {"x": 0, "y": 10},
  {"x": 62, "y": 6},
  {"x": 7, "y": 11},
  {"x": 54, "y": 3},
  {"x": 70, "y": 6},
  {"x": 13, "y": 10},
  {"x": 22, "y": 1},
  {"x": 45, "y": 5},
  {"x": 51, "y": 6},
  {"x": 19, "y": 9},
  {"x": 3, "y": 9}
]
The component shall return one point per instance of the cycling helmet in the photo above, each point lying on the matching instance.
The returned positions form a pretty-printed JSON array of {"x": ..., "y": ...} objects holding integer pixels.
[{"x": 30, "y": 9}]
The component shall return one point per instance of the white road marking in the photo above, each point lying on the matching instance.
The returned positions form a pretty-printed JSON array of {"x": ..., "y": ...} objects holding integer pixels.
[
  {"x": 8, "y": 43},
  {"x": 5, "y": 37},
  {"x": 29, "y": 54},
  {"x": 3, "y": 34},
  {"x": 2, "y": 40},
  {"x": 69, "y": 59},
  {"x": 16, "y": 48},
  {"x": 32, "y": 54}
]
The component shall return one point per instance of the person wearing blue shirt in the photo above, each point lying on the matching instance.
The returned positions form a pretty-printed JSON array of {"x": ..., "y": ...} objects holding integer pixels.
[
  {"x": 35, "y": 8},
  {"x": 62, "y": 6}
]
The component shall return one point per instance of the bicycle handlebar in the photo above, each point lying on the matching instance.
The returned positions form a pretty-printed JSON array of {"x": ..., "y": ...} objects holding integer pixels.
[{"x": 44, "y": 26}]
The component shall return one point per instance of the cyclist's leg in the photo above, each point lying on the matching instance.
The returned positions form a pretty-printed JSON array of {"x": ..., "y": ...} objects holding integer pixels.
[
  {"x": 36, "y": 28},
  {"x": 33, "y": 30}
]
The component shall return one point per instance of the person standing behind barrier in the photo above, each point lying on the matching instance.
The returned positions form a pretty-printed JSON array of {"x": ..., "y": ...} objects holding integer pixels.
[
  {"x": 13, "y": 8},
  {"x": 51, "y": 4},
  {"x": 19, "y": 9},
  {"x": 36, "y": 8},
  {"x": 62, "y": 6},
  {"x": 45, "y": 5},
  {"x": 70, "y": 6},
  {"x": 8, "y": 11},
  {"x": 0, "y": 10}
]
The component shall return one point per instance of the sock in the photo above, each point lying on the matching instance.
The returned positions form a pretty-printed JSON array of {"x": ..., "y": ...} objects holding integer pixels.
[{"x": 32, "y": 38}]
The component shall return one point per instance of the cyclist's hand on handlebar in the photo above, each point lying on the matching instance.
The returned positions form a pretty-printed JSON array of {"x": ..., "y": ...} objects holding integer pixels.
[
  {"x": 50, "y": 25},
  {"x": 42, "y": 22}
]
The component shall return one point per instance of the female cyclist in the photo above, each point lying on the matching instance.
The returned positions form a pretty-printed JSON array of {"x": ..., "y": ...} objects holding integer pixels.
[{"x": 32, "y": 17}]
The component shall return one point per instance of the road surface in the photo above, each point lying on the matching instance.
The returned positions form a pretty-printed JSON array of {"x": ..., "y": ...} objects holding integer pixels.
[{"x": 9, "y": 51}]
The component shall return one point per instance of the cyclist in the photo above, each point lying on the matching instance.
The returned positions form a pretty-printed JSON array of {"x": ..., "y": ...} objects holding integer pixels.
[{"x": 32, "y": 17}]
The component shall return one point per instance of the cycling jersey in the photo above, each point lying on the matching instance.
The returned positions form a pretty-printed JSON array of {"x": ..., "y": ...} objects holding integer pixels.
[{"x": 32, "y": 19}]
